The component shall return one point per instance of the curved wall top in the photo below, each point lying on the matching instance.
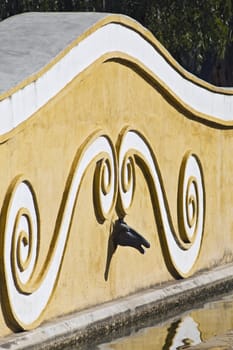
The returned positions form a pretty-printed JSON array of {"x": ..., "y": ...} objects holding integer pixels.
[
  {"x": 35, "y": 67},
  {"x": 101, "y": 123}
]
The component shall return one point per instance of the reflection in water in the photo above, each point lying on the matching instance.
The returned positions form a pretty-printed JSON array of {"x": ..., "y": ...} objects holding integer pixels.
[
  {"x": 212, "y": 319},
  {"x": 178, "y": 334},
  {"x": 182, "y": 332}
]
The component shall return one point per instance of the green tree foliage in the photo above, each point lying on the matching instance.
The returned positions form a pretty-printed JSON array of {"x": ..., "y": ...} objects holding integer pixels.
[{"x": 198, "y": 33}]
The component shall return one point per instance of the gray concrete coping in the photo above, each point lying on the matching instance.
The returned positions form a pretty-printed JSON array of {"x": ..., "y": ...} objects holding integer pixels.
[
  {"x": 30, "y": 41},
  {"x": 159, "y": 303}
]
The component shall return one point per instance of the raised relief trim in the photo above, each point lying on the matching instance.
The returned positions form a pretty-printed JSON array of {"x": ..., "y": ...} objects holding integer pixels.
[
  {"x": 117, "y": 38},
  {"x": 183, "y": 248},
  {"x": 27, "y": 295}
]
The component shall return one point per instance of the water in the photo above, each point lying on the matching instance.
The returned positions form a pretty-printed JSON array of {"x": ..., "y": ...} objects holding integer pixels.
[{"x": 213, "y": 319}]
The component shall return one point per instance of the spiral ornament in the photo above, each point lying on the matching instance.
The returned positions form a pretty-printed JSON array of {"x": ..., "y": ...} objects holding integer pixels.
[
  {"x": 21, "y": 245},
  {"x": 25, "y": 244},
  {"x": 105, "y": 186},
  {"x": 191, "y": 198},
  {"x": 126, "y": 179},
  {"x": 182, "y": 247},
  {"x": 22, "y": 237},
  {"x": 25, "y": 293}
]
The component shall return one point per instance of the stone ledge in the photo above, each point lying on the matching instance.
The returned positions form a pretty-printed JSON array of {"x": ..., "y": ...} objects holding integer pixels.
[{"x": 99, "y": 322}]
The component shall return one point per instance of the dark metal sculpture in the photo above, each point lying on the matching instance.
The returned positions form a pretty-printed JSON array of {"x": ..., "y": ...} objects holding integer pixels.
[{"x": 124, "y": 235}]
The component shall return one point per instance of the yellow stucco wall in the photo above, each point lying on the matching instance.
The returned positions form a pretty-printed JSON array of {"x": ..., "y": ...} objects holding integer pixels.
[{"x": 108, "y": 96}]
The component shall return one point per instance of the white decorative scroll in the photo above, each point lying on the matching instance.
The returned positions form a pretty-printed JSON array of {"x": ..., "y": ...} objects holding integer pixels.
[
  {"x": 27, "y": 287},
  {"x": 111, "y": 38},
  {"x": 27, "y": 297},
  {"x": 182, "y": 249}
]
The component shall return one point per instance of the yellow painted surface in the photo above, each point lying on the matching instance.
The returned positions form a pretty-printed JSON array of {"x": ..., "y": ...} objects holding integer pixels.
[{"x": 109, "y": 96}]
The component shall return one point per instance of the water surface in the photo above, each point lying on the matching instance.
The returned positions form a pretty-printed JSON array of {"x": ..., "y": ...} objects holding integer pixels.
[{"x": 213, "y": 319}]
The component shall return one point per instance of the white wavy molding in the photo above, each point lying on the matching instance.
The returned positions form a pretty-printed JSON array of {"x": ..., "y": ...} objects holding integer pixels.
[
  {"x": 109, "y": 38},
  {"x": 27, "y": 302},
  {"x": 27, "y": 296},
  {"x": 183, "y": 256}
]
